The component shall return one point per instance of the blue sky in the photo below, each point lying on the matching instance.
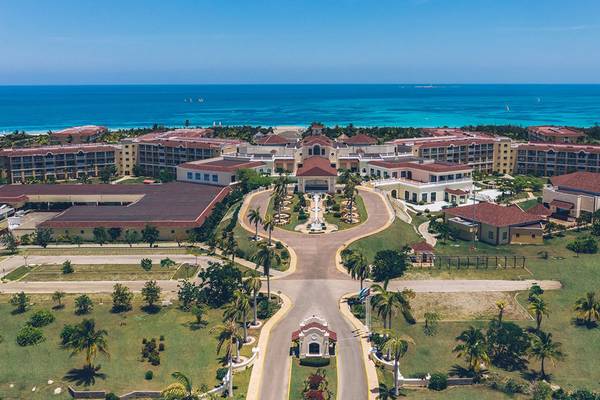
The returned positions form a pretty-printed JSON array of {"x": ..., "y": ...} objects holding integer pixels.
[{"x": 299, "y": 41}]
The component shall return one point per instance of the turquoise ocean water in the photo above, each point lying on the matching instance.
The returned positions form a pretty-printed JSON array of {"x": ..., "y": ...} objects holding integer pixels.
[{"x": 40, "y": 108}]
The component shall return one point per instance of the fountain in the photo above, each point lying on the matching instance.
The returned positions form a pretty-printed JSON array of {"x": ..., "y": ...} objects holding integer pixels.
[{"x": 316, "y": 224}]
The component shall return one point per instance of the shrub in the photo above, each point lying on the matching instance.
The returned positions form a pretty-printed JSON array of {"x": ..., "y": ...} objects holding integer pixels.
[
  {"x": 67, "y": 267},
  {"x": 315, "y": 362},
  {"x": 161, "y": 347},
  {"x": 221, "y": 372},
  {"x": 438, "y": 381},
  {"x": 66, "y": 334},
  {"x": 111, "y": 396},
  {"x": 262, "y": 309},
  {"x": 20, "y": 301},
  {"x": 146, "y": 264},
  {"x": 41, "y": 318},
  {"x": 162, "y": 338},
  {"x": 285, "y": 254},
  {"x": 154, "y": 359},
  {"x": 541, "y": 391},
  {"x": 29, "y": 335},
  {"x": 337, "y": 214},
  {"x": 148, "y": 375},
  {"x": 83, "y": 304},
  {"x": 278, "y": 245},
  {"x": 335, "y": 207}
]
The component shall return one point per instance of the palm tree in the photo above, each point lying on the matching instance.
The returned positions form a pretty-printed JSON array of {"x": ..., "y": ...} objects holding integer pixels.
[
  {"x": 269, "y": 225},
  {"x": 349, "y": 193},
  {"x": 57, "y": 297},
  {"x": 253, "y": 285},
  {"x": 538, "y": 306},
  {"x": 358, "y": 267},
  {"x": 386, "y": 393},
  {"x": 182, "y": 389},
  {"x": 255, "y": 218},
  {"x": 397, "y": 346},
  {"x": 266, "y": 257},
  {"x": 588, "y": 308},
  {"x": 384, "y": 302},
  {"x": 238, "y": 309},
  {"x": 501, "y": 306},
  {"x": 473, "y": 348},
  {"x": 87, "y": 339},
  {"x": 230, "y": 245},
  {"x": 544, "y": 348},
  {"x": 229, "y": 340}
]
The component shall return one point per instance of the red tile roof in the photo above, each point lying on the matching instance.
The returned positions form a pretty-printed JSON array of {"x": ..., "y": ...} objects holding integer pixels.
[
  {"x": 580, "y": 181},
  {"x": 322, "y": 140},
  {"x": 187, "y": 138},
  {"x": 66, "y": 149},
  {"x": 540, "y": 210},
  {"x": 273, "y": 140},
  {"x": 82, "y": 131},
  {"x": 316, "y": 166},
  {"x": 443, "y": 132},
  {"x": 456, "y": 143},
  {"x": 437, "y": 166},
  {"x": 422, "y": 247},
  {"x": 456, "y": 192},
  {"x": 556, "y": 131},
  {"x": 360, "y": 139},
  {"x": 493, "y": 214},
  {"x": 565, "y": 205},
  {"x": 226, "y": 165},
  {"x": 332, "y": 334},
  {"x": 556, "y": 147}
]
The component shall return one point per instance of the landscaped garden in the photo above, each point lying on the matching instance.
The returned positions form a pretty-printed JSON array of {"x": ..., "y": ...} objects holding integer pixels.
[
  {"x": 120, "y": 342},
  {"x": 313, "y": 377},
  {"x": 345, "y": 213}
]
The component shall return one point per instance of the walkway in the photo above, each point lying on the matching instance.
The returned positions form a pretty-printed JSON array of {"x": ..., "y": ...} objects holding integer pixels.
[{"x": 424, "y": 232}]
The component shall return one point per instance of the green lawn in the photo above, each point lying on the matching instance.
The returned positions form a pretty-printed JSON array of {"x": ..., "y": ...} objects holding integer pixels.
[
  {"x": 527, "y": 204},
  {"x": 135, "y": 180},
  {"x": 106, "y": 272},
  {"x": 187, "y": 349},
  {"x": 360, "y": 208},
  {"x": 394, "y": 237},
  {"x": 290, "y": 226},
  {"x": 93, "y": 251},
  {"x": 301, "y": 372}
]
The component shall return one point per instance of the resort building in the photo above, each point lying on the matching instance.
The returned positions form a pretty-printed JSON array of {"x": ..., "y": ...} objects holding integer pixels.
[
  {"x": 316, "y": 174},
  {"x": 78, "y": 135},
  {"x": 314, "y": 338},
  {"x": 58, "y": 162},
  {"x": 159, "y": 151},
  {"x": 555, "y": 134},
  {"x": 85, "y": 207},
  {"x": 572, "y": 194},
  {"x": 221, "y": 171},
  {"x": 422, "y": 181},
  {"x": 548, "y": 159},
  {"x": 495, "y": 224}
]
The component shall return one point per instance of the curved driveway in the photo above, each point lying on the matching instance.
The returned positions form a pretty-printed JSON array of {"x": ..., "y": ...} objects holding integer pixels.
[{"x": 314, "y": 288}]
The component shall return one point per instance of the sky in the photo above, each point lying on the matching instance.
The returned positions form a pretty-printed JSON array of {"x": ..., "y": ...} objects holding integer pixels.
[{"x": 299, "y": 41}]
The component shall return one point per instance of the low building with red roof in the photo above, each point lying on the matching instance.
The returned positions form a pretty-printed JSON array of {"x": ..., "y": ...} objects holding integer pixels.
[
  {"x": 221, "y": 171},
  {"x": 274, "y": 140},
  {"x": 572, "y": 194},
  {"x": 360, "y": 139},
  {"x": 78, "y": 134},
  {"x": 555, "y": 134},
  {"x": 314, "y": 338},
  {"x": 316, "y": 174},
  {"x": 422, "y": 252},
  {"x": 495, "y": 224}
]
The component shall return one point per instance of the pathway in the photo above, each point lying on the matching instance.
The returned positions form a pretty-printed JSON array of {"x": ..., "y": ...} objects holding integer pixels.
[{"x": 424, "y": 232}]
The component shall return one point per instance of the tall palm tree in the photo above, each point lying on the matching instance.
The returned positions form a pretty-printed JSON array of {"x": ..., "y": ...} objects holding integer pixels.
[
  {"x": 473, "y": 348},
  {"x": 253, "y": 285},
  {"x": 229, "y": 341},
  {"x": 182, "y": 389},
  {"x": 397, "y": 346},
  {"x": 267, "y": 258},
  {"x": 255, "y": 218},
  {"x": 87, "y": 339},
  {"x": 588, "y": 307},
  {"x": 539, "y": 308},
  {"x": 269, "y": 225},
  {"x": 350, "y": 193},
  {"x": 358, "y": 267},
  {"x": 544, "y": 348},
  {"x": 230, "y": 245},
  {"x": 501, "y": 306},
  {"x": 384, "y": 302},
  {"x": 386, "y": 393},
  {"x": 404, "y": 298},
  {"x": 238, "y": 309}
]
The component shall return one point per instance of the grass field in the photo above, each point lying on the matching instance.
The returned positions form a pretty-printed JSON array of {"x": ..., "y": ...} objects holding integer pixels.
[
  {"x": 360, "y": 208},
  {"x": 187, "y": 349},
  {"x": 102, "y": 272},
  {"x": 93, "y": 251},
  {"x": 301, "y": 372},
  {"x": 394, "y": 237},
  {"x": 290, "y": 226},
  {"x": 136, "y": 180}
]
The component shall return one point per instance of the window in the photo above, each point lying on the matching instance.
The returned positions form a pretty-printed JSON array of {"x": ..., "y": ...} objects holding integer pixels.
[
  {"x": 215, "y": 178},
  {"x": 189, "y": 175},
  {"x": 491, "y": 235},
  {"x": 424, "y": 197},
  {"x": 433, "y": 196},
  {"x": 207, "y": 177},
  {"x": 198, "y": 176},
  {"x": 504, "y": 235},
  {"x": 518, "y": 235}
]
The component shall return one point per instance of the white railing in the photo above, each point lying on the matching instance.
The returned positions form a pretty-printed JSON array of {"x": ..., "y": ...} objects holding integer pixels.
[{"x": 391, "y": 181}]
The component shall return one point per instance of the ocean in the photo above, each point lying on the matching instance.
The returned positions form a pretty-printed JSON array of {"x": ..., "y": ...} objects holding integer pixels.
[{"x": 43, "y": 108}]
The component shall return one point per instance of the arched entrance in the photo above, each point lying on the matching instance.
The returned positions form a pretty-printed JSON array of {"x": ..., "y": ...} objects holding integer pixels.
[
  {"x": 395, "y": 194},
  {"x": 314, "y": 348}
]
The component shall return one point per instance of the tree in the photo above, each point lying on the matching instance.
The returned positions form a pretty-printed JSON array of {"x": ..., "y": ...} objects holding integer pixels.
[
  {"x": 431, "y": 322},
  {"x": 67, "y": 267},
  {"x": 229, "y": 341},
  {"x": 473, "y": 347},
  {"x": 508, "y": 344},
  {"x": 151, "y": 293},
  {"x": 20, "y": 301},
  {"x": 389, "y": 264},
  {"x": 238, "y": 309},
  {"x": 89, "y": 340},
  {"x": 150, "y": 234},
  {"x": 358, "y": 267},
  {"x": 78, "y": 240},
  {"x": 218, "y": 283},
  {"x": 386, "y": 393},
  {"x": 269, "y": 225},
  {"x": 397, "y": 346},
  {"x": 132, "y": 237},
  {"x": 43, "y": 236},
  {"x": 384, "y": 302},
  {"x": 107, "y": 173},
  {"x": 198, "y": 310},
  {"x": 539, "y": 308},
  {"x": 100, "y": 235},
  {"x": 267, "y": 258},
  {"x": 166, "y": 263},
  {"x": 166, "y": 176},
  {"x": 229, "y": 245},
  {"x": 9, "y": 241},
  {"x": 583, "y": 244},
  {"x": 114, "y": 233},
  {"x": 57, "y": 297},
  {"x": 500, "y": 305},
  {"x": 182, "y": 389},
  {"x": 255, "y": 218},
  {"x": 121, "y": 298},
  {"x": 146, "y": 264},
  {"x": 253, "y": 285},
  {"x": 588, "y": 308},
  {"x": 543, "y": 348},
  {"x": 83, "y": 304},
  {"x": 187, "y": 294}
]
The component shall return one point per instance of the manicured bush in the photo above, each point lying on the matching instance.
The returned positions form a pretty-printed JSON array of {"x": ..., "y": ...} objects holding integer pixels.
[
  {"x": 315, "y": 362},
  {"x": 284, "y": 254},
  {"x": 148, "y": 375},
  {"x": 438, "y": 381},
  {"x": 41, "y": 318},
  {"x": 278, "y": 245},
  {"x": 29, "y": 335}
]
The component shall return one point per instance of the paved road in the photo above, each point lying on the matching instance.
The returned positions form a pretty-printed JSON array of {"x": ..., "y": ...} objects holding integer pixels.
[{"x": 315, "y": 288}]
